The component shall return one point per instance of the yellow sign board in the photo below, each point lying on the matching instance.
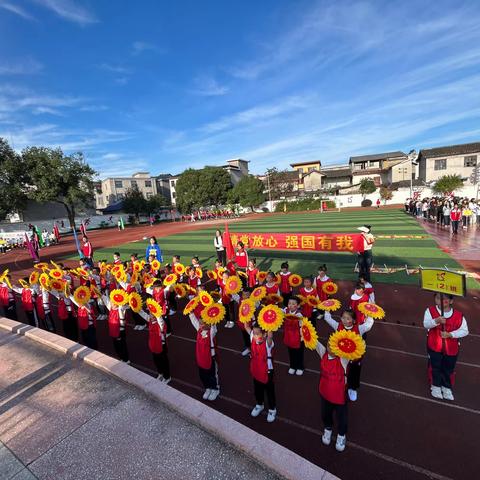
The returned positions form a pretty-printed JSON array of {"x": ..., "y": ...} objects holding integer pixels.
[{"x": 443, "y": 281}]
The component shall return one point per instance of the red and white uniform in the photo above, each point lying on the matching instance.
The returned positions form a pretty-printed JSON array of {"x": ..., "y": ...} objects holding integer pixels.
[
  {"x": 160, "y": 296},
  {"x": 333, "y": 377},
  {"x": 355, "y": 301},
  {"x": 368, "y": 290},
  {"x": 285, "y": 287},
  {"x": 252, "y": 280},
  {"x": 291, "y": 330},
  {"x": 241, "y": 258},
  {"x": 307, "y": 310},
  {"x": 261, "y": 359},
  {"x": 455, "y": 215},
  {"x": 455, "y": 324},
  {"x": 157, "y": 333},
  {"x": 206, "y": 344},
  {"x": 194, "y": 282},
  {"x": 6, "y": 295},
  {"x": 318, "y": 283},
  {"x": 357, "y": 328},
  {"x": 271, "y": 289},
  {"x": 87, "y": 249}
]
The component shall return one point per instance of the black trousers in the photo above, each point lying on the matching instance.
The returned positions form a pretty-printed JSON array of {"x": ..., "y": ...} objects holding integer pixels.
[
  {"x": 286, "y": 298},
  {"x": 47, "y": 323},
  {"x": 446, "y": 220},
  {"x": 443, "y": 367},
  {"x": 89, "y": 337},
  {"x": 168, "y": 323},
  {"x": 222, "y": 256},
  {"x": 120, "y": 346},
  {"x": 11, "y": 311},
  {"x": 313, "y": 317},
  {"x": 172, "y": 301},
  {"x": 209, "y": 377},
  {"x": 455, "y": 226},
  {"x": 341, "y": 411},
  {"x": 246, "y": 339},
  {"x": 70, "y": 327},
  {"x": 30, "y": 317},
  {"x": 268, "y": 388},
  {"x": 353, "y": 374},
  {"x": 138, "y": 320},
  {"x": 365, "y": 260},
  {"x": 161, "y": 362},
  {"x": 296, "y": 357},
  {"x": 230, "y": 311}
]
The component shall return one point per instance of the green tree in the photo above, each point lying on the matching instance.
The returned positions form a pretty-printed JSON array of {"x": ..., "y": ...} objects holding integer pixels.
[
  {"x": 134, "y": 202},
  {"x": 280, "y": 183},
  {"x": 156, "y": 202},
  {"x": 13, "y": 180},
  {"x": 55, "y": 177},
  {"x": 202, "y": 188},
  {"x": 367, "y": 186},
  {"x": 248, "y": 192},
  {"x": 447, "y": 184},
  {"x": 385, "y": 194}
]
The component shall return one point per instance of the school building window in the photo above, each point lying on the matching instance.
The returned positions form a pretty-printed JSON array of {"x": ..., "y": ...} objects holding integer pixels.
[
  {"x": 441, "y": 164},
  {"x": 148, "y": 184},
  {"x": 172, "y": 183},
  {"x": 470, "y": 161},
  {"x": 118, "y": 184},
  {"x": 134, "y": 183}
]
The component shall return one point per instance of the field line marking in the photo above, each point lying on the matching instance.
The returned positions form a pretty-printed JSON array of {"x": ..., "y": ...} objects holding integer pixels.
[{"x": 391, "y": 324}]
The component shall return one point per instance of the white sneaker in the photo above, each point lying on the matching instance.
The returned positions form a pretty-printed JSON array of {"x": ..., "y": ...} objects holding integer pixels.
[
  {"x": 245, "y": 352},
  {"x": 447, "y": 394},
  {"x": 172, "y": 312},
  {"x": 166, "y": 381},
  {"x": 352, "y": 395},
  {"x": 213, "y": 394},
  {"x": 168, "y": 334},
  {"x": 128, "y": 362},
  {"x": 436, "y": 392},
  {"x": 299, "y": 372},
  {"x": 136, "y": 327},
  {"x": 271, "y": 416},
  {"x": 341, "y": 443},
  {"x": 206, "y": 394},
  {"x": 142, "y": 327},
  {"x": 291, "y": 371},
  {"x": 229, "y": 325},
  {"x": 327, "y": 436},
  {"x": 257, "y": 410},
  {"x": 160, "y": 377}
]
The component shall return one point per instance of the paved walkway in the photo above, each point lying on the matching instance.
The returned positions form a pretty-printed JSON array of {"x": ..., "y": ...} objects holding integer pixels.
[{"x": 61, "y": 419}]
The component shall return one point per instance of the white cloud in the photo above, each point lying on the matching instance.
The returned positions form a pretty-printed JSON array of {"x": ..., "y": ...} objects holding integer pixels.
[
  {"x": 16, "y": 9},
  {"x": 28, "y": 66},
  {"x": 69, "y": 10},
  {"x": 139, "y": 47},
  {"x": 206, "y": 85},
  {"x": 114, "y": 68}
]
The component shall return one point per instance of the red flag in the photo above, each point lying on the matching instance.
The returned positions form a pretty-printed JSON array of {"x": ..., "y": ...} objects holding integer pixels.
[
  {"x": 56, "y": 232},
  {"x": 227, "y": 243}
]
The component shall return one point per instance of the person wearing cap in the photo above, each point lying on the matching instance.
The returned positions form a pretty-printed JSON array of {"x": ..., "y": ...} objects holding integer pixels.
[{"x": 365, "y": 258}]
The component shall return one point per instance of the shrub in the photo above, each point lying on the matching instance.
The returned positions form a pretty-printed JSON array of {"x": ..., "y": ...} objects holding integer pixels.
[
  {"x": 303, "y": 205},
  {"x": 366, "y": 203}
]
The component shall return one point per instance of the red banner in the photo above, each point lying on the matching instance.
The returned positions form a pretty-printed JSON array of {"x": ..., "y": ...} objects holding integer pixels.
[{"x": 319, "y": 242}]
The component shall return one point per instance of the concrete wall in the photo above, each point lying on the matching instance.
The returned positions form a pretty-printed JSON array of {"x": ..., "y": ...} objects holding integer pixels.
[
  {"x": 455, "y": 165},
  {"x": 312, "y": 181}
]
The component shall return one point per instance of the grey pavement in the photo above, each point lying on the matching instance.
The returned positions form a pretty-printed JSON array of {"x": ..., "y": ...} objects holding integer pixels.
[{"x": 61, "y": 419}]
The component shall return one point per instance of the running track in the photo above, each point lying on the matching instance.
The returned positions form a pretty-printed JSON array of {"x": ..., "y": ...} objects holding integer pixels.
[{"x": 396, "y": 430}]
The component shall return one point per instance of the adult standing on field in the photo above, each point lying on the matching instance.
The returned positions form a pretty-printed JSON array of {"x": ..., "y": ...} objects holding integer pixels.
[
  {"x": 220, "y": 248},
  {"x": 154, "y": 250},
  {"x": 365, "y": 258}
]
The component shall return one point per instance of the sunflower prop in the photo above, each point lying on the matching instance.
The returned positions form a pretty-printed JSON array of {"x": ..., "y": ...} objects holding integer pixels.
[
  {"x": 261, "y": 276},
  {"x": 137, "y": 267},
  {"x": 347, "y": 344},
  {"x": 33, "y": 277},
  {"x": 56, "y": 273},
  {"x": 205, "y": 299},
  {"x": 215, "y": 295},
  {"x": 242, "y": 274},
  {"x": 170, "y": 279},
  {"x": 135, "y": 302},
  {"x": 45, "y": 281},
  {"x": 191, "y": 306},
  {"x": 302, "y": 299},
  {"x": 116, "y": 268},
  {"x": 233, "y": 285},
  {"x": 82, "y": 295},
  {"x": 41, "y": 266},
  {"x": 199, "y": 272},
  {"x": 4, "y": 274},
  {"x": 179, "y": 269},
  {"x": 246, "y": 310},
  {"x": 179, "y": 290},
  {"x": 23, "y": 283},
  {"x": 295, "y": 280},
  {"x": 309, "y": 334},
  {"x": 154, "y": 308},
  {"x": 371, "y": 310},
  {"x": 82, "y": 272},
  {"x": 57, "y": 285},
  {"x": 330, "y": 305},
  {"x": 121, "y": 276},
  {"x": 118, "y": 297},
  {"x": 330, "y": 288},
  {"x": 134, "y": 278},
  {"x": 55, "y": 265},
  {"x": 155, "y": 264},
  {"x": 213, "y": 314},
  {"x": 270, "y": 318},
  {"x": 311, "y": 300},
  {"x": 274, "y": 298},
  {"x": 221, "y": 271},
  {"x": 259, "y": 294},
  {"x": 212, "y": 275},
  {"x": 278, "y": 279}
]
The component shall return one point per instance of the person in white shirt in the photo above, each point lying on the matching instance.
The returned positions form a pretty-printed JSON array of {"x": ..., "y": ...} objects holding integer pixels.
[
  {"x": 220, "y": 248},
  {"x": 365, "y": 258},
  {"x": 444, "y": 330}
]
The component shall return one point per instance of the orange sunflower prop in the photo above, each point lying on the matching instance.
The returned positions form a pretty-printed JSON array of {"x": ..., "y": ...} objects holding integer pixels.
[
  {"x": 246, "y": 310},
  {"x": 134, "y": 278},
  {"x": 295, "y": 280},
  {"x": 41, "y": 266},
  {"x": 137, "y": 267},
  {"x": 212, "y": 275},
  {"x": 82, "y": 295},
  {"x": 242, "y": 274},
  {"x": 309, "y": 334},
  {"x": 191, "y": 306},
  {"x": 170, "y": 280},
  {"x": 57, "y": 285},
  {"x": 118, "y": 297},
  {"x": 155, "y": 264},
  {"x": 33, "y": 277},
  {"x": 199, "y": 272},
  {"x": 261, "y": 276},
  {"x": 213, "y": 314},
  {"x": 233, "y": 285},
  {"x": 330, "y": 288},
  {"x": 259, "y": 294},
  {"x": 302, "y": 299},
  {"x": 179, "y": 290},
  {"x": 311, "y": 300},
  {"x": 215, "y": 295},
  {"x": 23, "y": 283},
  {"x": 179, "y": 269},
  {"x": 154, "y": 308},
  {"x": 347, "y": 344},
  {"x": 205, "y": 298},
  {"x": 270, "y": 318},
  {"x": 371, "y": 310},
  {"x": 56, "y": 273},
  {"x": 330, "y": 305},
  {"x": 82, "y": 272},
  {"x": 44, "y": 281},
  {"x": 135, "y": 302},
  {"x": 274, "y": 298}
]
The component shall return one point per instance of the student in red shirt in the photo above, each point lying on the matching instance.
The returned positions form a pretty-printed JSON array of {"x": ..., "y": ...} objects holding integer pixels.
[
  {"x": 227, "y": 302},
  {"x": 320, "y": 280},
  {"x": 241, "y": 256},
  {"x": 358, "y": 297},
  {"x": 285, "y": 288},
  {"x": 307, "y": 290},
  {"x": 252, "y": 271},
  {"x": 271, "y": 285},
  {"x": 292, "y": 337},
  {"x": 87, "y": 251}
]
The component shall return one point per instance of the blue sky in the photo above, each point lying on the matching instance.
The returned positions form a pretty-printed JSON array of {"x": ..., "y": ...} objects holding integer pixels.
[{"x": 160, "y": 86}]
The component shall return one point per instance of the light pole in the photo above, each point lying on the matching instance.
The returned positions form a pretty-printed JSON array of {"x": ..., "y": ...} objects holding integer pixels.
[
  {"x": 269, "y": 192},
  {"x": 412, "y": 156}
]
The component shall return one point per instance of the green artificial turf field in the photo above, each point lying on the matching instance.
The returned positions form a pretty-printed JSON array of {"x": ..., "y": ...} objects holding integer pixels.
[{"x": 392, "y": 252}]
